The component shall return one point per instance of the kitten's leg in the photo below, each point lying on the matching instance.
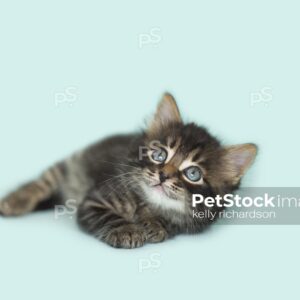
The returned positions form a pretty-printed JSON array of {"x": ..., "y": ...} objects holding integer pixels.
[
  {"x": 118, "y": 224},
  {"x": 28, "y": 196},
  {"x": 111, "y": 222}
]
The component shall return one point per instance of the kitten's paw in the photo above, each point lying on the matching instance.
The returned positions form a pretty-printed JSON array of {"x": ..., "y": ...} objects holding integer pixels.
[
  {"x": 126, "y": 236},
  {"x": 155, "y": 232}
]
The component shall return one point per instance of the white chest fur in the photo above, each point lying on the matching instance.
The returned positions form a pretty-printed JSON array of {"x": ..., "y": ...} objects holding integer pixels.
[{"x": 161, "y": 200}]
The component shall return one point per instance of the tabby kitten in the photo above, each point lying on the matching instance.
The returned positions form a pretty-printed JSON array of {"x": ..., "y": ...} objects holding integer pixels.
[{"x": 137, "y": 188}]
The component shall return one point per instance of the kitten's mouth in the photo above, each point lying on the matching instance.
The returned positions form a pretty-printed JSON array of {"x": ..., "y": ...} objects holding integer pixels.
[{"x": 160, "y": 188}]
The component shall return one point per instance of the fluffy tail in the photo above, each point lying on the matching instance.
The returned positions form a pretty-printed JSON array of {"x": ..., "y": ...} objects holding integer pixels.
[{"x": 37, "y": 194}]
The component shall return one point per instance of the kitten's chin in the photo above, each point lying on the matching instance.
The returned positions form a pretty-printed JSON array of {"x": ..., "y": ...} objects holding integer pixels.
[{"x": 158, "y": 197}]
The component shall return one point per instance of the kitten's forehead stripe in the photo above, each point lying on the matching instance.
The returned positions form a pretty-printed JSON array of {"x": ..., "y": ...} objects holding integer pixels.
[
  {"x": 169, "y": 141},
  {"x": 196, "y": 156},
  {"x": 173, "y": 143}
]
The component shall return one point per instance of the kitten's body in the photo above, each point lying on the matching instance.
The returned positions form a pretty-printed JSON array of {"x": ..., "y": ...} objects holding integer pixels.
[{"x": 126, "y": 198}]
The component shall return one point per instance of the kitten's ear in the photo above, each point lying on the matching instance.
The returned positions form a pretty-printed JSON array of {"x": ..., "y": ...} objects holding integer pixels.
[
  {"x": 167, "y": 112},
  {"x": 237, "y": 160}
]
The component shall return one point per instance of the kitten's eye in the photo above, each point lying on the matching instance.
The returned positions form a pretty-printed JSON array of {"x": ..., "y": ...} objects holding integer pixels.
[
  {"x": 159, "y": 155},
  {"x": 193, "y": 173}
]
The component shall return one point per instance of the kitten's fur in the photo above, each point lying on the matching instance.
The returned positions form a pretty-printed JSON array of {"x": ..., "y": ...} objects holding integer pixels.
[{"x": 127, "y": 199}]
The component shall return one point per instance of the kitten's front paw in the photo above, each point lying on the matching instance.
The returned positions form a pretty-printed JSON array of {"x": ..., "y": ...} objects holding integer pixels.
[
  {"x": 126, "y": 236},
  {"x": 155, "y": 232}
]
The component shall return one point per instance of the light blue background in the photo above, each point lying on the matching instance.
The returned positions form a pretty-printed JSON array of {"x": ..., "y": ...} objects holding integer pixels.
[{"x": 213, "y": 55}]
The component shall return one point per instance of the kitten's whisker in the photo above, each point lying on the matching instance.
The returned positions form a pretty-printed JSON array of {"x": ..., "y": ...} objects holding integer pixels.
[
  {"x": 120, "y": 164},
  {"x": 117, "y": 176}
]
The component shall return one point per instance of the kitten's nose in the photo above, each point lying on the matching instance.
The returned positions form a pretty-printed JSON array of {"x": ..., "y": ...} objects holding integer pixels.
[
  {"x": 167, "y": 172},
  {"x": 162, "y": 177}
]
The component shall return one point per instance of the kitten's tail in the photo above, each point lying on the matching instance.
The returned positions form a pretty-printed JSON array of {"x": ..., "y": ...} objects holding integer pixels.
[{"x": 38, "y": 194}]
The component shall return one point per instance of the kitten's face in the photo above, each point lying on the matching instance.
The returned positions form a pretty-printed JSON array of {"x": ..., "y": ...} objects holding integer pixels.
[
  {"x": 184, "y": 159},
  {"x": 176, "y": 165}
]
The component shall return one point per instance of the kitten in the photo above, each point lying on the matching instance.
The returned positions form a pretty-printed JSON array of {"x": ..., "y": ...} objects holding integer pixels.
[{"x": 137, "y": 188}]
